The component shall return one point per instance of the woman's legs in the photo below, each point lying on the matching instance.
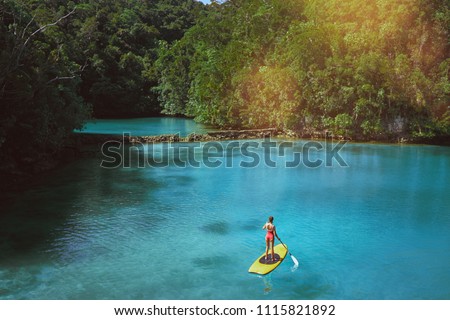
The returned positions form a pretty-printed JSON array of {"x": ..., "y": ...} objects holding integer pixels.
[
  {"x": 267, "y": 247},
  {"x": 273, "y": 250}
]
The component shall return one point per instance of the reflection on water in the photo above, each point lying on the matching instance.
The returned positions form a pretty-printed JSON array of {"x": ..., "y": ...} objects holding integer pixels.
[{"x": 267, "y": 284}]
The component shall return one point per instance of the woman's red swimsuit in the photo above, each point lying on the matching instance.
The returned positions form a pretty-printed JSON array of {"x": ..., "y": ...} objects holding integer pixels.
[{"x": 269, "y": 235}]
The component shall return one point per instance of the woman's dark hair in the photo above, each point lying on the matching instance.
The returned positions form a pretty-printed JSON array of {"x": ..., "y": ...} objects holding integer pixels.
[{"x": 270, "y": 219}]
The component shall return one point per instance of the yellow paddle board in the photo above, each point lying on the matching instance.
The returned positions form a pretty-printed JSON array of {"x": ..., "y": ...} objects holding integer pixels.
[{"x": 261, "y": 266}]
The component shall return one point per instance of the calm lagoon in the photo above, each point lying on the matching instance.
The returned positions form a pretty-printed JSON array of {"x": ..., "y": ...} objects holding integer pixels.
[{"x": 376, "y": 229}]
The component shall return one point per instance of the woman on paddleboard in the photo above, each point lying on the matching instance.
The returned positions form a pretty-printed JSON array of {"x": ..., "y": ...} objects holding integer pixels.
[{"x": 270, "y": 238}]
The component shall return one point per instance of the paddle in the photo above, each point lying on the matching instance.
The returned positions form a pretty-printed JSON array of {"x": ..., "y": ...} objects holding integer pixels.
[{"x": 294, "y": 260}]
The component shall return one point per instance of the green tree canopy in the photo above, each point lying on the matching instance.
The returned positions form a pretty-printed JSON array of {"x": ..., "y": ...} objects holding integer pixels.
[{"x": 361, "y": 70}]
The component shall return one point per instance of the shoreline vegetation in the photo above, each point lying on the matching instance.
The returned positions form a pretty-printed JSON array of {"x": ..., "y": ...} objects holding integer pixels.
[{"x": 307, "y": 68}]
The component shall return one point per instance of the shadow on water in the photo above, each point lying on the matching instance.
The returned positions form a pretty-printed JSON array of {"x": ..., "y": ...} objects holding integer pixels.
[
  {"x": 179, "y": 180},
  {"x": 32, "y": 222},
  {"x": 220, "y": 227},
  {"x": 212, "y": 262}
]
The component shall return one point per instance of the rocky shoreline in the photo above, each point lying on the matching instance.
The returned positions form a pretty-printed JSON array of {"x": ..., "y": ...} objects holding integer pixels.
[
  {"x": 80, "y": 139},
  {"x": 210, "y": 136}
]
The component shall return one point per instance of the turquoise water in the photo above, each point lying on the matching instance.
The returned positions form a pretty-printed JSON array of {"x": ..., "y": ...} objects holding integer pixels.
[
  {"x": 144, "y": 126},
  {"x": 377, "y": 229}
]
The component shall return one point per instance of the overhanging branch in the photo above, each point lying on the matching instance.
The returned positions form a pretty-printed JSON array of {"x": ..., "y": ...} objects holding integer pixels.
[{"x": 41, "y": 29}]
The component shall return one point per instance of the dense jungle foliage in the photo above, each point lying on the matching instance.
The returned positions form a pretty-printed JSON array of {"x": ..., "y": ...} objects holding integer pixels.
[{"x": 359, "y": 69}]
